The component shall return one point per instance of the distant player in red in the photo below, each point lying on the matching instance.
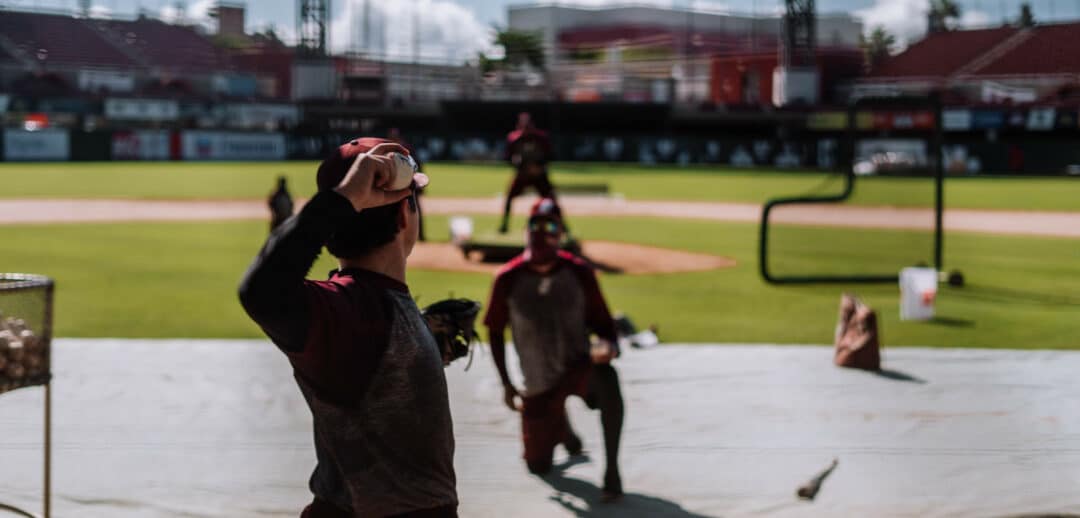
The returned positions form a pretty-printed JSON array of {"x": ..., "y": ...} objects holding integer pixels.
[
  {"x": 551, "y": 300},
  {"x": 281, "y": 204},
  {"x": 529, "y": 150}
]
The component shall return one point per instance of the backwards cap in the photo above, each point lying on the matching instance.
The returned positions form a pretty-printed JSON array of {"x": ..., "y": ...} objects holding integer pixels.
[
  {"x": 546, "y": 208},
  {"x": 334, "y": 168}
]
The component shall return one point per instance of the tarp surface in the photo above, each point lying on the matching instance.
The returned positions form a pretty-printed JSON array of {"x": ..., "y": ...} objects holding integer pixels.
[{"x": 218, "y": 428}]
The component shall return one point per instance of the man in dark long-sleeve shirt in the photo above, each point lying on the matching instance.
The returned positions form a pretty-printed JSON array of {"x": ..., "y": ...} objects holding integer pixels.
[{"x": 361, "y": 353}]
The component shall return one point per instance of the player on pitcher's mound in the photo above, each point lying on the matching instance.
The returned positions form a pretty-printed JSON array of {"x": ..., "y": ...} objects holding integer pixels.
[
  {"x": 551, "y": 300},
  {"x": 528, "y": 149}
]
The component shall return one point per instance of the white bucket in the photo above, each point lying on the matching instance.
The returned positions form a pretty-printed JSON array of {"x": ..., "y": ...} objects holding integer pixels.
[{"x": 918, "y": 290}]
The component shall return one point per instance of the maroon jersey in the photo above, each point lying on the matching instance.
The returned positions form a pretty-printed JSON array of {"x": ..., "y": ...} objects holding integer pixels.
[
  {"x": 528, "y": 149},
  {"x": 550, "y": 316}
]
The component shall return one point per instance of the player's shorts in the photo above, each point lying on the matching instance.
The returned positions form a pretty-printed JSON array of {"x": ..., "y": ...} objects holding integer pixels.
[
  {"x": 523, "y": 181},
  {"x": 543, "y": 417}
]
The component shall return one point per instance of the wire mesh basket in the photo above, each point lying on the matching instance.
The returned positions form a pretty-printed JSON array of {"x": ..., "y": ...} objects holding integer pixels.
[
  {"x": 26, "y": 303},
  {"x": 26, "y": 312}
]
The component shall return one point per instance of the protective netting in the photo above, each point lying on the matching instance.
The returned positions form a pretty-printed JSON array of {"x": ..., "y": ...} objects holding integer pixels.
[{"x": 887, "y": 223}]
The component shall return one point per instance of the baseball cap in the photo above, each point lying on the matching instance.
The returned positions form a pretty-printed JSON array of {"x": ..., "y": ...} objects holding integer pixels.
[
  {"x": 334, "y": 168},
  {"x": 546, "y": 208}
]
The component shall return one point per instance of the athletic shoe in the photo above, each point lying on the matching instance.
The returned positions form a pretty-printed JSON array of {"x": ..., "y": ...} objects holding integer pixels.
[{"x": 612, "y": 487}]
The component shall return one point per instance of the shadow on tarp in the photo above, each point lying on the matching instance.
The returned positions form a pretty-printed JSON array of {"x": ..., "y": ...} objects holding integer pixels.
[
  {"x": 631, "y": 505},
  {"x": 896, "y": 375}
]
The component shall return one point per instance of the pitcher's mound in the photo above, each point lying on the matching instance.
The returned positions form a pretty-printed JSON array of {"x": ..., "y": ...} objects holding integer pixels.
[{"x": 608, "y": 256}]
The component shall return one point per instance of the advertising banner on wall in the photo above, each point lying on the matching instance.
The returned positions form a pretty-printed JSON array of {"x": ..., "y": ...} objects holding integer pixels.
[
  {"x": 108, "y": 80},
  {"x": 1041, "y": 119},
  {"x": 259, "y": 115},
  {"x": 140, "y": 145},
  {"x": 833, "y": 120},
  {"x": 142, "y": 109},
  {"x": 956, "y": 120},
  {"x": 50, "y": 144},
  {"x": 221, "y": 145},
  {"x": 987, "y": 119},
  {"x": 1066, "y": 120}
]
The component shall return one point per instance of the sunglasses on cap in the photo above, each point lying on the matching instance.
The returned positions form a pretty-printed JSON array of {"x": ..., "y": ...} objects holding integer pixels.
[{"x": 544, "y": 225}]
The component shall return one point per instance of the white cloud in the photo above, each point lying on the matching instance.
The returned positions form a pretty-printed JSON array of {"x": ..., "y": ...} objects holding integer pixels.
[
  {"x": 973, "y": 18},
  {"x": 904, "y": 19},
  {"x": 100, "y": 11},
  {"x": 711, "y": 6},
  {"x": 600, "y": 3},
  {"x": 448, "y": 32},
  {"x": 196, "y": 13}
]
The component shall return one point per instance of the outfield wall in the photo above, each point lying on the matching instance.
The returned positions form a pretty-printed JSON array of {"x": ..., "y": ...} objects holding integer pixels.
[{"x": 966, "y": 153}]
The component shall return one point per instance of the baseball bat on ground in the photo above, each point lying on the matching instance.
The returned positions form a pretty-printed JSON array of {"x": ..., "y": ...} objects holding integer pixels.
[{"x": 810, "y": 489}]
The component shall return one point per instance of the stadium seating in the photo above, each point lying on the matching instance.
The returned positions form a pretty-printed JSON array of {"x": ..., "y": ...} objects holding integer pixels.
[
  {"x": 165, "y": 46},
  {"x": 60, "y": 39},
  {"x": 939, "y": 55},
  {"x": 1050, "y": 49}
]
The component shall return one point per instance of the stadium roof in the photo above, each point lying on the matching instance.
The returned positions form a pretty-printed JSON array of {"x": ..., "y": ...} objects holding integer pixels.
[{"x": 997, "y": 52}]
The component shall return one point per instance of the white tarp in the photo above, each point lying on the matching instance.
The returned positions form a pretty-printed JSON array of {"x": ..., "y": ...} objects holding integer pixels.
[
  {"x": 48, "y": 144},
  {"x": 218, "y": 429},
  {"x": 222, "y": 145}
]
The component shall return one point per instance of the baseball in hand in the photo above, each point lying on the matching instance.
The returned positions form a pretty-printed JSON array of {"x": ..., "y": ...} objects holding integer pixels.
[{"x": 405, "y": 173}]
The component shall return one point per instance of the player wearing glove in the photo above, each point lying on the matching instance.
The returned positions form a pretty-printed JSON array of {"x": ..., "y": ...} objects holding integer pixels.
[
  {"x": 363, "y": 357},
  {"x": 551, "y": 300},
  {"x": 452, "y": 322}
]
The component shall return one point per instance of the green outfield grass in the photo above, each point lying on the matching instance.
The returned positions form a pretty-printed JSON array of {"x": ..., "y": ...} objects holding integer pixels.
[
  {"x": 179, "y": 280},
  {"x": 220, "y": 180}
]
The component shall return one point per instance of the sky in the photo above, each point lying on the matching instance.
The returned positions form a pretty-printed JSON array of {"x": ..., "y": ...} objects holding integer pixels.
[{"x": 455, "y": 30}]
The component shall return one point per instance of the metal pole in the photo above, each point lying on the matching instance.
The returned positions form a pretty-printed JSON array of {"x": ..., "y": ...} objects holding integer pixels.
[
  {"x": 48, "y": 446},
  {"x": 939, "y": 187},
  {"x": 50, "y": 293}
]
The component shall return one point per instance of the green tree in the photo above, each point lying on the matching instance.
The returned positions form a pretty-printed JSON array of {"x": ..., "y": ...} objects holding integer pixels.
[
  {"x": 876, "y": 47},
  {"x": 519, "y": 48},
  {"x": 1027, "y": 18},
  {"x": 940, "y": 14}
]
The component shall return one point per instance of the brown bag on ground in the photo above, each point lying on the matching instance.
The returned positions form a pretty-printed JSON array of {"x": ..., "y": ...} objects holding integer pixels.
[{"x": 857, "y": 342}]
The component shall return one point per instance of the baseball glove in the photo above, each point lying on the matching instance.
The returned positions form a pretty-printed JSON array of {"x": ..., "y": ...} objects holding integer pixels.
[{"x": 452, "y": 322}]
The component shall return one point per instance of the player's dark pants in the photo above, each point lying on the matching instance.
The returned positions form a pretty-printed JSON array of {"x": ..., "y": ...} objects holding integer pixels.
[
  {"x": 523, "y": 180},
  {"x": 544, "y": 423}
]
